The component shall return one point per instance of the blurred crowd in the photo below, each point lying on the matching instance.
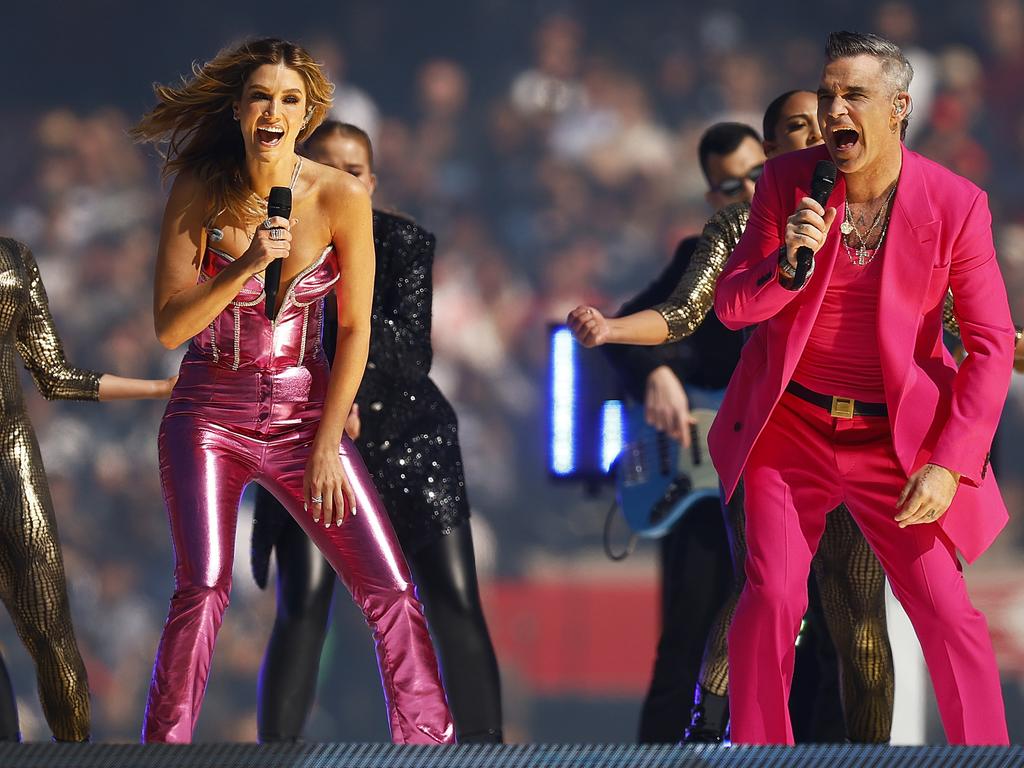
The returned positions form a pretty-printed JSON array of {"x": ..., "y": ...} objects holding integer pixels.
[{"x": 560, "y": 169}]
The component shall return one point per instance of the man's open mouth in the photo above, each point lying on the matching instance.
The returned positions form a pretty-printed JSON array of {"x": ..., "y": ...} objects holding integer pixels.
[{"x": 844, "y": 138}]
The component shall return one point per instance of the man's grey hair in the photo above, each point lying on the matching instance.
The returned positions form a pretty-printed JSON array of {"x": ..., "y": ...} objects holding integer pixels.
[{"x": 897, "y": 70}]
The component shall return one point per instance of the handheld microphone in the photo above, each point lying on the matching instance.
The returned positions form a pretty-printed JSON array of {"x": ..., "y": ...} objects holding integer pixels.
[
  {"x": 278, "y": 204},
  {"x": 821, "y": 187}
]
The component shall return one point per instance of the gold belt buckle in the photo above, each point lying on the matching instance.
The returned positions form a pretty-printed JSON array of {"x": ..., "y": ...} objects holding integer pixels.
[{"x": 842, "y": 408}]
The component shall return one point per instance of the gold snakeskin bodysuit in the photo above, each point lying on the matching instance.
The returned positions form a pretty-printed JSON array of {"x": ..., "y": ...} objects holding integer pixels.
[
  {"x": 694, "y": 296},
  {"x": 32, "y": 583}
]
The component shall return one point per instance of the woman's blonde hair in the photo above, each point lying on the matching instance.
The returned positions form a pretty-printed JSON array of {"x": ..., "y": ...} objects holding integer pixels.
[{"x": 195, "y": 120}]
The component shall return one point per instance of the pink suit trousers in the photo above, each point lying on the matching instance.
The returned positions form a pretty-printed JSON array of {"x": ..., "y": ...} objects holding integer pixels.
[{"x": 803, "y": 465}]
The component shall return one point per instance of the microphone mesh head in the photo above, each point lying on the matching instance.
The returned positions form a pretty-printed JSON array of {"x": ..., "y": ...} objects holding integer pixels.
[
  {"x": 280, "y": 202},
  {"x": 826, "y": 169},
  {"x": 824, "y": 179}
]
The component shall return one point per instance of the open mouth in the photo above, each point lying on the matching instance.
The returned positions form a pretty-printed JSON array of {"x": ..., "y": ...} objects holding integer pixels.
[
  {"x": 270, "y": 136},
  {"x": 844, "y": 138}
]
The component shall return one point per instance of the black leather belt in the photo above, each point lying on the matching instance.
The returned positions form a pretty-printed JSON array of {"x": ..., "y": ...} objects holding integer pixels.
[{"x": 839, "y": 407}]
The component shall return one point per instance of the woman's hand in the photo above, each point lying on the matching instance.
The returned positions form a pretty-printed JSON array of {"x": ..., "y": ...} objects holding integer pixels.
[
  {"x": 168, "y": 387},
  {"x": 589, "y": 326},
  {"x": 120, "y": 388},
  {"x": 272, "y": 241},
  {"x": 353, "y": 424},
  {"x": 325, "y": 488}
]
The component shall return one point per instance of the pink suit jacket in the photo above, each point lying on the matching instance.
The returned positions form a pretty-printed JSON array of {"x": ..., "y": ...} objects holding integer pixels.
[{"x": 939, "y": 236}]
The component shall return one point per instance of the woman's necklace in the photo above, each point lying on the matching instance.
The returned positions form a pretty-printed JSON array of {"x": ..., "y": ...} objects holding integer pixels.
[
  {"x": 862, "y": 255},
  {"x": 258, "y": 205},
  {"x": 255, "y": 209}
]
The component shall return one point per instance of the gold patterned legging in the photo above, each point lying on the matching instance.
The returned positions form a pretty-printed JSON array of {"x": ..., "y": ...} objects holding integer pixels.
[
  {"x": 32, "y": 583},
  {"x": 852, "y": 586}
]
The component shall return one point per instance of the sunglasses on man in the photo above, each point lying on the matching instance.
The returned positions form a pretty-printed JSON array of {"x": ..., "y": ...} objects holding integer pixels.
[{"x": 732, "y": 186}]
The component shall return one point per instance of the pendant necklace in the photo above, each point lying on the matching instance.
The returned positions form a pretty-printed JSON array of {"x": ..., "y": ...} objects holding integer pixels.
[
  {"x": 255, "y": 208},
  {"x": 861, "y": 255}
]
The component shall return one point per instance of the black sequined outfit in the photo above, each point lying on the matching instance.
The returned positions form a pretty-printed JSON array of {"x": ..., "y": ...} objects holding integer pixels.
[
  {"x": 409, "y": 436},
  {"x": 409, "y": 442},
  {"x": 32, "y": 583}
]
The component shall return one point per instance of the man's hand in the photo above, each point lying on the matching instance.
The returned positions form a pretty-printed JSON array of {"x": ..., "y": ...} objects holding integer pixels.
[
  {"x": 666, "y": 406},
  {"x": 807, "y": 227},
  {"x": 588, "y": 326},
  {"x": 927, "y": 495}
]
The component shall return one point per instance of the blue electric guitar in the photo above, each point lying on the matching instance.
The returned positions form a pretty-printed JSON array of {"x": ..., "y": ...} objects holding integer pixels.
[{"x": 657, "y": 480}]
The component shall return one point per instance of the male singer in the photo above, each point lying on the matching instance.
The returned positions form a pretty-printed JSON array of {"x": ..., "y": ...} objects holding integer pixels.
[{"x": 845, "y": 392}]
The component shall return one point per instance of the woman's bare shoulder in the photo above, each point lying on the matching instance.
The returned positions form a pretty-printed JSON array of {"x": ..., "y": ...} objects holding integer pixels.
[
  {"x": 187, "y": 193},
  {"x": 336, "y": 189}
]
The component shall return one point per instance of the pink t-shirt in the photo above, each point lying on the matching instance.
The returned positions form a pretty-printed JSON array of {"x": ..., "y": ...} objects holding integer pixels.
[{"x": 841, "y": 357}]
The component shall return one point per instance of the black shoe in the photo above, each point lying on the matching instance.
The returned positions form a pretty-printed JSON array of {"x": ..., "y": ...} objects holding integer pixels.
[
  {"x": 488, "y": 736},
  {"x": 709, "y": 718}
]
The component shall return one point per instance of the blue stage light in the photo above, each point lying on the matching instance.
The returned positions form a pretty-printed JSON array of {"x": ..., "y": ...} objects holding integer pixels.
[
  {"x": 613, "y": 432},
  {"x": 563, "y": 402}
]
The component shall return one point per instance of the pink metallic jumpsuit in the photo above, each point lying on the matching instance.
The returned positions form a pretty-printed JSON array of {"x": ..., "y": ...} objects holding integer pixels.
[{"x": 246, "y": 407}]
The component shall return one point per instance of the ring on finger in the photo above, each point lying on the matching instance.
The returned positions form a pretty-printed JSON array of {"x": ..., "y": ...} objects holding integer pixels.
[
  {"x": 317, "y": 499},
  {"x": 266, "y": 224},
  {"x": 277, "y": 233}
]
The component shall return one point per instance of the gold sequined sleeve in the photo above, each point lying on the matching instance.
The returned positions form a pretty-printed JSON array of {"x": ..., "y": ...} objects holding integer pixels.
[
  {"x": 949, "y": 316},
  {"x": 693, "y": 297},
  {"x": 40, "y": 346}
]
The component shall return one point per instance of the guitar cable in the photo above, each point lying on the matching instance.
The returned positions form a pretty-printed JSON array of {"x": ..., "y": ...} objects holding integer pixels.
[{"x": 630, "y": 545}]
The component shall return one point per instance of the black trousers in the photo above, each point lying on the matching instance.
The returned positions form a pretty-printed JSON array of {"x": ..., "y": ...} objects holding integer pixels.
[
  {"x": 696, "y": 579},
  {"x": 445, "y": 576}
]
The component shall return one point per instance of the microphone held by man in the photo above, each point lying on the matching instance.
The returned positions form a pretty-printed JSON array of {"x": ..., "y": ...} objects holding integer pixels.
[{"x": 807, "y": 229}]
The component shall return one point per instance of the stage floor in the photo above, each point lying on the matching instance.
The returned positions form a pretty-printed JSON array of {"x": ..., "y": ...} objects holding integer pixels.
[{"x": 511, "y": 756}]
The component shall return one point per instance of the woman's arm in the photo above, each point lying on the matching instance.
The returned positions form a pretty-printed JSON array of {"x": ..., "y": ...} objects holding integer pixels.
[
  {"x": 351, "y": 221},
  {"x": 637, "y": 325},
  {"x": 40, "y": 346},
  {"x": 592, "y": 329},
  {"x": 41, "y": 349},
  {"x": 181, "y": 306},
  {"x": 401, "y": 346},
  {"x": 693, "y": 297},
  {"x": 120, "y": 388},
  {"x": 682, "y": 313}
]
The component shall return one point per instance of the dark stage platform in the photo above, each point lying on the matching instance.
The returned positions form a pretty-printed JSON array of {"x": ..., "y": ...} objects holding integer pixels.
[{"x": 513, "y": 756}]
